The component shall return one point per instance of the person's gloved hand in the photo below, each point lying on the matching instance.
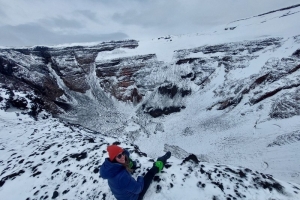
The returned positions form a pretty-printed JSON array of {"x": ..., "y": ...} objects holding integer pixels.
[{"x": 132, "y": 164}]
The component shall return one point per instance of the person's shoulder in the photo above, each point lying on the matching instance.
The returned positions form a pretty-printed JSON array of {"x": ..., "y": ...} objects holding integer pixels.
[
  {"x": 110, "y": 169},
  {"x": 124, "y": 177},
  {"x": 106, "y": 162}
]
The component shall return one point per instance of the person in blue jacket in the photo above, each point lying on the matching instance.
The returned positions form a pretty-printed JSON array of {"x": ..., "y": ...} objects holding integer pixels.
[{"x": 117, "y": 170}]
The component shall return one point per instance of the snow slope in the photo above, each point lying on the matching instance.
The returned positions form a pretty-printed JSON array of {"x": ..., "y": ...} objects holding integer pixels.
[
  {"x": 277, "y": 24},
  {"x": 48, "y": 159}
]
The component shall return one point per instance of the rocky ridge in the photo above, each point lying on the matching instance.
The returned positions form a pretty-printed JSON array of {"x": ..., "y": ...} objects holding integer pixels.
[{"x": 58, "y": 73}]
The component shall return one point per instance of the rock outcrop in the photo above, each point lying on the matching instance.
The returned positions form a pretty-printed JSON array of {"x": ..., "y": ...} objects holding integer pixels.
[
  {"x": 51, "y": 71},
  {"x": 59, "y": 73},
  {"x": 120, "y": 77}
]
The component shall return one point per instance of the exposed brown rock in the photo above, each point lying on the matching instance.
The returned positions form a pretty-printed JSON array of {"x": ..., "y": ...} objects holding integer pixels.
[
  {"x": 34, "y": 68},
  {"x": 118, "y": 75}
]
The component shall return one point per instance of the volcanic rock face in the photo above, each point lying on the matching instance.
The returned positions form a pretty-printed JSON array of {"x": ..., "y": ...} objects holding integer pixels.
[
  {"x": 20, "y": 67},
  {"x": 57, "y": 74},
  {"x": 275, "y": 76},
  {"x": 286, "y": 139},
  {"x": 157, "y": 105},
  {"x": 44, "y": 68},
  {"x": 287, "y": 105},
  {"x": 118, "y": 75}
]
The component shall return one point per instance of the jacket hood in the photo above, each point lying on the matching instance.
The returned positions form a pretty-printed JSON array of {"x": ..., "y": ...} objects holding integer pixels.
[{"x": 110, "y": 169}]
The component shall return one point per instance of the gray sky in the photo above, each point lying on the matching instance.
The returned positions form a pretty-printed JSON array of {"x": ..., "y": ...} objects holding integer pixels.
[{"x": 50, "y": 22}]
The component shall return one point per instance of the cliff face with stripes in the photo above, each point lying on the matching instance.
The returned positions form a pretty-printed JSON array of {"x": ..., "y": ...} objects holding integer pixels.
[{"x": 58, "y": 74}]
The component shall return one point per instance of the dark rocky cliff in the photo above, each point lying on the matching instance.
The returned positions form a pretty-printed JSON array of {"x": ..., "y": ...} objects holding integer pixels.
[
  {"x": 69, "y": 79},
  {"x": 49, "y": 71}
]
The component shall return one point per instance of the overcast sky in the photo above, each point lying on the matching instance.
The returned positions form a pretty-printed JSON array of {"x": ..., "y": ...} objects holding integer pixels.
[{"x": 50, "y": 22}]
